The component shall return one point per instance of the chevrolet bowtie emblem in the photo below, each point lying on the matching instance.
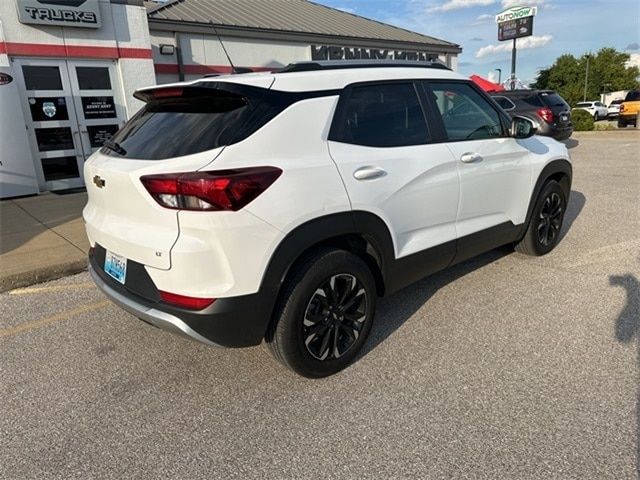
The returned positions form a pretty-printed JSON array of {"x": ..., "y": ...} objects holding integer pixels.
[{"x": 100, "y": 182}]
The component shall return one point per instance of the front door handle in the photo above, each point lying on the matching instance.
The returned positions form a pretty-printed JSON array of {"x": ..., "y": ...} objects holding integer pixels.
[
  {"x": 471, "y": 157},
  {"x": 369, "y": 173}
]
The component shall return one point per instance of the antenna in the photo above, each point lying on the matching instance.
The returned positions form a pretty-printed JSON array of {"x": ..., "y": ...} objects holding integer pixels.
[{"x": 215, "y": 30}]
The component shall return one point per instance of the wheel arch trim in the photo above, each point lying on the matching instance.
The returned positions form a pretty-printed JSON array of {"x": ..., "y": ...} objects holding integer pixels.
[
  {"x": 317, "y": 231},
  {"x": 554, "y": 167}
]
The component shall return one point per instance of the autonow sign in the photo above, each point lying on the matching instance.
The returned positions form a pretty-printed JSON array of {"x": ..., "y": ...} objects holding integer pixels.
[
  {"x": 66, "y": 13},
  {"x": 514, "y": 13}
]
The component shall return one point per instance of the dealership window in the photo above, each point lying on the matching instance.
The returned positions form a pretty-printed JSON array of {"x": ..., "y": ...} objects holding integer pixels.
[
  {"x": 93, "y": 78},
  {"x": 42, "y": 78},
  {"x": 60, "y": 168},
  {"x": 387, "y": 115}
]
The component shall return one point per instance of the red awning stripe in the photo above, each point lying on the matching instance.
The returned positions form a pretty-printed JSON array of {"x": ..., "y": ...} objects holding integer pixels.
[
  {"x": 72, "y": 51},
  {"x": 172, "y": 69}
]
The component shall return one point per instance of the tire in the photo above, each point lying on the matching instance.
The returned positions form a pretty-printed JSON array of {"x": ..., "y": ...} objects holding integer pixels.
[
  {"x": 309, "y": 313},
  {"x": 621, "y": 123},
  {"x": 596, "y": 117},
  {"x": 543, "y": 231}
]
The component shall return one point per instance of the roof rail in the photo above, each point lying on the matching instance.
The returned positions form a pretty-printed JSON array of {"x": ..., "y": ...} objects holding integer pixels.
[{"x": 345, "y": 64}]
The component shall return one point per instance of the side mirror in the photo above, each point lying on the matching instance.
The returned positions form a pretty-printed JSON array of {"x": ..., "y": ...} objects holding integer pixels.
[{"x": 522, "y": 127}]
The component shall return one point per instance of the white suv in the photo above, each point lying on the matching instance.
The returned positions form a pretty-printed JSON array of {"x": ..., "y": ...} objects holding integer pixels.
[
  {"x": 279, "y": 206},
  {"x": 597, "y": 110}
]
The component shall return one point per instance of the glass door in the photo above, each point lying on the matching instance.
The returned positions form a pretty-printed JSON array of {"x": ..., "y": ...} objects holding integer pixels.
[
  {"x": 99, "y": 107},
  {"x": 51, "y": 123}
]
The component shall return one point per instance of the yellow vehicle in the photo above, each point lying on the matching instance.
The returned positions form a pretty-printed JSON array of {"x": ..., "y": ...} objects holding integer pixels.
[{"x": 629, "y": 109}]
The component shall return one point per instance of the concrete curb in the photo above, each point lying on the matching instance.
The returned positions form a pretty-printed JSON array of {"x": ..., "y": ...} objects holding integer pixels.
[{"x": 39, "y": 275}]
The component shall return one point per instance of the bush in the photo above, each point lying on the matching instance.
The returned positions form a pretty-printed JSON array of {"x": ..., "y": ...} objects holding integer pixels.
[
  {"x": 605, "y": 126},
  {"x": 582, "y": 120}
]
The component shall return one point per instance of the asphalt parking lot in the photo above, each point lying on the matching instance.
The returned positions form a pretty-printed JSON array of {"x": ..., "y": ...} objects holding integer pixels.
[{"x": 502, "y": 367}]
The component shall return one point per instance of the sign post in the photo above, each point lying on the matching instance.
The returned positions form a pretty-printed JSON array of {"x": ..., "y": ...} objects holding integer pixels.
[{"x": 513, "y": 23}]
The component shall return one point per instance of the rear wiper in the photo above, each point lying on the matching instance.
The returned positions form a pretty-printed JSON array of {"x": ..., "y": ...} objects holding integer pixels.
[{"x": 115, "y": 146}]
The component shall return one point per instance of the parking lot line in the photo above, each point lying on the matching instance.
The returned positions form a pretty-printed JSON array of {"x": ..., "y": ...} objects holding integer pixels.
[
  {"x": 66, "y": 315},
  {"x": 75, "y": 286}
]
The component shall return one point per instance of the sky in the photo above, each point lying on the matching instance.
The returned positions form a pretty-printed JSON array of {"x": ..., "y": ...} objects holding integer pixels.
[{"x": 561, "y": 26}]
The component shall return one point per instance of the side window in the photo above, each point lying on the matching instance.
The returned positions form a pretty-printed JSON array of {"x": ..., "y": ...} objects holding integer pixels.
[
  {"x": 505, "y": 103},
  {"x": 382, "y": 116},
  {"x": 466, "y": 114}
]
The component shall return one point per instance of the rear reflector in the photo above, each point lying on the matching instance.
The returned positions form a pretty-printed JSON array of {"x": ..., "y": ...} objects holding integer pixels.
[
  {"x": 210, "y": 191},
  {"x": 190, "y": 303},
  {"x": 5, "y": 79}
]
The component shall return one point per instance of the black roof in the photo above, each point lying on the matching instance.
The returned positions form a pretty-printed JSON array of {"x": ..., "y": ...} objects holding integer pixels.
[
  {"x": 521, "y": 92},
  {"x": 345, "y": 64}
]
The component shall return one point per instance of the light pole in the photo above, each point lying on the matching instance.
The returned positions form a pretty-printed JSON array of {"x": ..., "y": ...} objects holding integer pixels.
[
  {"x": 499, "y": 75},
  {"x": 586, "y": 79}
]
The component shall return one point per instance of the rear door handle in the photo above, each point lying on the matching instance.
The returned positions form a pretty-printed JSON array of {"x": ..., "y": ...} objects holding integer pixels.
[
  {"x": 470, "y": 157},
  {"x": 369, "y": 173}
]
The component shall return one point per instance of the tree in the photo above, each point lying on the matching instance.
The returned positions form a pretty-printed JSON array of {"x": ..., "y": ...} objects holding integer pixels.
[{"x": 608, "y": 71}]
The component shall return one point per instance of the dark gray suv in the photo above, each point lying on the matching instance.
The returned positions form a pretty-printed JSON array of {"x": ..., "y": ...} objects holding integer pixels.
[{"x": 545, "y": 107}]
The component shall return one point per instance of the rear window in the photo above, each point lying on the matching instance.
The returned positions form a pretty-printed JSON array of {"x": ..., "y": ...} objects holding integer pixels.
[
  {"x": 200, "y": 120},
  {"x": 553, "y": 100},
  {"x": 633, "y": 96},
  {"x": 533, "y": 100}
]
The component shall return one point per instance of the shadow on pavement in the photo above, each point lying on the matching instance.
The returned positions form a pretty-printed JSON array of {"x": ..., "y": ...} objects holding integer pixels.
[
  {"x": 577, "y": 200},
  {"x": 396, "y": 309},
  {"x": 571, "y": 143},
  {"x": 627, "y": 330},
  {"x": 22, "y": 219}
]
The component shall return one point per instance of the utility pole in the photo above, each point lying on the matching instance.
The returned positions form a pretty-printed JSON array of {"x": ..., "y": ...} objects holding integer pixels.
[
  {"x": 586, "y": 79},
  {"x": 513, "y": 66},
  {"x": 499, "y": 75}
]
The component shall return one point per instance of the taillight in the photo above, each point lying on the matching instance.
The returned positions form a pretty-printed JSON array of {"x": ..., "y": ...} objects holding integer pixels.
[
  {"x": 210, "y": 191},
  {"x": 182, "y": 301},
  {"x": 546, "y": 114},
  {"x": 621, "y": 107}
]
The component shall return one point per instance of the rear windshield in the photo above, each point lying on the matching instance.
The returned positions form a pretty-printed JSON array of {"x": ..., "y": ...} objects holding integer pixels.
[
  {"x": 632, "y": 96},
  {"x": 172, "y": 127},
  {"x": 533, "y": 100},
  {"x": 553, "y": 100}
]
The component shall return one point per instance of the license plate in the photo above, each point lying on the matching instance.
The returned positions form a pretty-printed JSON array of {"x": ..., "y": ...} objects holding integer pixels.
[
  {"x": 115, "y": 266},
  {"x": 563, "y": 118}
]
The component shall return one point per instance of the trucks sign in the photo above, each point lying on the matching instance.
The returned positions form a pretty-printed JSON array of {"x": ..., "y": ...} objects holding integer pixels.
[
  {"x": 64, "y": 13},
  {"x": 516, "y": 22}
]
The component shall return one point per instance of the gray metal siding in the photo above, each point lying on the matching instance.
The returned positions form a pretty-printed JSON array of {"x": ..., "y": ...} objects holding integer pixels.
[{"x": 296, "y": 16}]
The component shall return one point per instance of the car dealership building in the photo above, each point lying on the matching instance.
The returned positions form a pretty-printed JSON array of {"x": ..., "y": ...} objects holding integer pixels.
[{"x": 68, "y": 68}]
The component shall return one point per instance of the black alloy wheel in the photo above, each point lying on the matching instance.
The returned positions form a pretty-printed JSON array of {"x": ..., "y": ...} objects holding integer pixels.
[
  {"x": 543, "y": 231},
  {"x": 325, "y": 313},
  {"x": 550, "y": 220},
  {"x": 334, "y": 317}
]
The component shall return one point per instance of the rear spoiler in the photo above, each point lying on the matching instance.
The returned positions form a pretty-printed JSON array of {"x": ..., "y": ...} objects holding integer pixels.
[{"x": 166, "y": 91}]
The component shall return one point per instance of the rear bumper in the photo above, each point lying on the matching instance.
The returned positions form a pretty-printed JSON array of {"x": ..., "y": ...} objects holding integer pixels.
[
  {"x": 231, "y": 322},
  {"x": 155, "y": 317},
  {"x": 559, "y": 133},
  {"x": 627, "y": 118}
]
